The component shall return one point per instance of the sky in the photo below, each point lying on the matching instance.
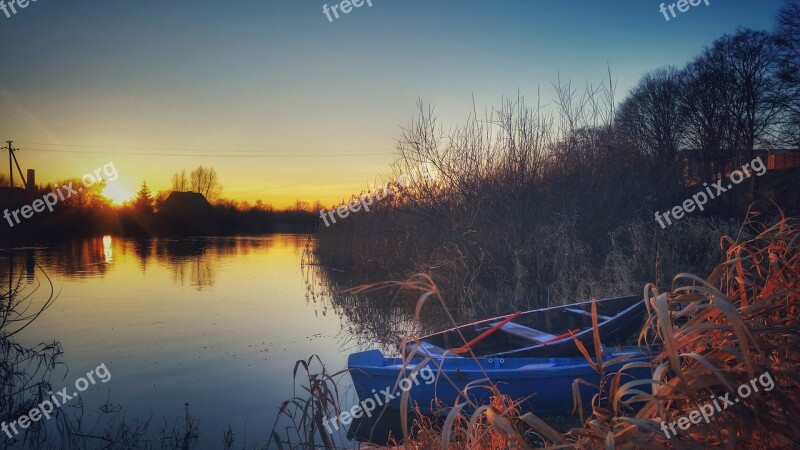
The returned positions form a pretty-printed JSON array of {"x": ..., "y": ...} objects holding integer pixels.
[{"x": 287, "y": 105}]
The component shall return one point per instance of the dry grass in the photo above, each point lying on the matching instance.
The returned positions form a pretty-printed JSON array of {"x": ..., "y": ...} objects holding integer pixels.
[
  {"x": 715, "y": 334},
  {"x": 520, "y": 193},
  {"x": 305, "y": 414},
  {"x": 718, "y": 333}
]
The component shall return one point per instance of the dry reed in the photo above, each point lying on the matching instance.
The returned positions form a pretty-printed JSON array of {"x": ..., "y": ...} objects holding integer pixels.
[{"x": 714, "y": 334}]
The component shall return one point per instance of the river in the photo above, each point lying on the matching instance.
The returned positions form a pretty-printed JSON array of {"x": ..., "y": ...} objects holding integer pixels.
[{"x": 215, "y": 323}]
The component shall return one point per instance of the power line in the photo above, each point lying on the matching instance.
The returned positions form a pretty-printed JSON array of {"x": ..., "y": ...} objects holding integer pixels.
[
  {"x": 359, "y": 152},
  {"x": 306, "y": 155}
]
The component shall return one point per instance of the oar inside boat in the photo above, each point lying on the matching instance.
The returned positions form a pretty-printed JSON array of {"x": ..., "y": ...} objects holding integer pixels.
[
  {"x": 565, "y": 335},
  {"x": 543, "y": 332},
  {"x": 465, "y": 348}
]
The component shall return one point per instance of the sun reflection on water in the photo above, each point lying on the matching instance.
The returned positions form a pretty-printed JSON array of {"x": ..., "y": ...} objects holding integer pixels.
[{"x": 108, "y": 250}]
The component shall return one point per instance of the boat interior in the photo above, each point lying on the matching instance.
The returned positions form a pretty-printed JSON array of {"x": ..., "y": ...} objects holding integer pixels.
[{"x": 529, "y": 329}]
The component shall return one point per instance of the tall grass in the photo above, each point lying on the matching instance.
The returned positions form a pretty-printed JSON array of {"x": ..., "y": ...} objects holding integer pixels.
[
  {"x": 719, "y": 333},
  {"x": 24, "y": 371},
  {"x": 521, "y": 193},
  {"x": 712, "y": 334}
]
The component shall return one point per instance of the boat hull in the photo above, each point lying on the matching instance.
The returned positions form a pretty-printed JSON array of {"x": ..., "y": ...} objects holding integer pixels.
[{"x": 546, "y": 383}]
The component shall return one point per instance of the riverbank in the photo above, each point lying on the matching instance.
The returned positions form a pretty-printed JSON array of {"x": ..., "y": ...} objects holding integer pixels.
[
  {"x": 73, "y": 222},
  {"x": 723, "y": 375}
]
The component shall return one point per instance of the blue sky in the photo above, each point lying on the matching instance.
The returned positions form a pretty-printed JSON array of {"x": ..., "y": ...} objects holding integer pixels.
[{"x": 294, "y": 96}]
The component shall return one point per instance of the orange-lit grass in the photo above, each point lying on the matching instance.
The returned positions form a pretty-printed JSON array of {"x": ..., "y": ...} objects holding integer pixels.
[{"x": 715, "y": 334}]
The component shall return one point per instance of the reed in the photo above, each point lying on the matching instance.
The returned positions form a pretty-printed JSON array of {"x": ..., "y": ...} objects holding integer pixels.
[
  {"x": 25, "y": 374},
  {"x": 711, "y": 334},
  {"x": 530, "y": 207},
  {"x": 716, "y": 333},
  {"x": 304, "y": 415},
  {"x": 24, "y": 371}
]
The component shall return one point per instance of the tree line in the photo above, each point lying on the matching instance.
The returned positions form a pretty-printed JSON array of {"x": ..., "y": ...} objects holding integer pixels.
[
  {"x": 741, "y": 94},
  {"x": 541, "y": 203}
]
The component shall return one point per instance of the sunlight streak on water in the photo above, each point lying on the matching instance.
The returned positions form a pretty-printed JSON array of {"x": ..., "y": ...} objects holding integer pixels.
[{"x": 108, "y": 251}]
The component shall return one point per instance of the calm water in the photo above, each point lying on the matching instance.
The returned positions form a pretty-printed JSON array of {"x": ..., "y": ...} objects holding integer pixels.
[{"x": 215, "y": 323}]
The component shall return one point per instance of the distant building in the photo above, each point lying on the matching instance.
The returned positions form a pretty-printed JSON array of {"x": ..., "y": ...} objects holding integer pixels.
[
  {"x": 15, "y": 197},
  {"x": 186, "y": 213},
  {"x": 15, "y": 194},
  {"x": 185, "y": 205},
  {"x": 697, "y": 166},
  {"x": 783, "y": 159}
]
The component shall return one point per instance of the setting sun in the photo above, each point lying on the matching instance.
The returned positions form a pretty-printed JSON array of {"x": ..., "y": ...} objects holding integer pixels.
[{"x": 118, "y": 193}]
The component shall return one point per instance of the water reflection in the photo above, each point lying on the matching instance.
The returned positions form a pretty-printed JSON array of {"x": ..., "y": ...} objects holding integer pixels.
[
  {"x": 174, "y": 317},
  {"x": 26, "y": 369},
  {"x": 380, "y": 319},
  {"x": 376, "y": 320},
  {"x": 108, "y": 249},
  {"x": 15, "y": 264},
  {"x": 214, "y": 322},
  {"x": 191, "y": 261}
]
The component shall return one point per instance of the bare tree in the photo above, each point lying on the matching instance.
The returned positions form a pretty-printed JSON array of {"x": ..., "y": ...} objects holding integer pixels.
[
  {"x": 732, "y": 98},
  {"x": 703, "y": 108},
  {"x": 650, "y": 118},
  {"x": 204, "y": 180},
  {"x": 787, "y": 37},
  {"x": 751, "y": 58},
  {"x": 180, "y": 182}
]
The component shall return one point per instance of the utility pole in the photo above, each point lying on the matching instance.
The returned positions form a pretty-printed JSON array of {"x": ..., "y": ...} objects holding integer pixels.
[
  {"x": 10, "y": 166},
  {"x": 11, "y": 161}
]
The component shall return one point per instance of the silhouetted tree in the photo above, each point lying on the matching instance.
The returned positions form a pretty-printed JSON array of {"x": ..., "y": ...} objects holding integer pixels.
[
  {"x": 787, "y": 37},
  {"x": 703, "y": 108},
  {"x": 732, "y": 97},
  {"x": 159, "y": 199},
  {"x": 650, "y": 117},
  {"x": 180, "y": 182},
  {"x": 144, "y": 200},
  {"x": 751, "y": 59},
  {"x": 204, "y": 180}
]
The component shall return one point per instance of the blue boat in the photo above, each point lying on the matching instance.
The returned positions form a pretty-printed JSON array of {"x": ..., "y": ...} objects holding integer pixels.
[
  {"x": 545, "y": 383},
  {"x": 541, "y": 332}
]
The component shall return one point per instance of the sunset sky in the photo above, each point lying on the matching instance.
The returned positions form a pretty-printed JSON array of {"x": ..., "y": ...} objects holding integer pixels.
[{"x": 289, "y": 106}]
